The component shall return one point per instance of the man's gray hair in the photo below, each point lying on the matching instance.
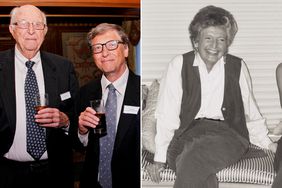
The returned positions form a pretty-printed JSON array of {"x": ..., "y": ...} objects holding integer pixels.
[
  {"x": 103, "y": 28},
  {"x": 15, "y": 10}
]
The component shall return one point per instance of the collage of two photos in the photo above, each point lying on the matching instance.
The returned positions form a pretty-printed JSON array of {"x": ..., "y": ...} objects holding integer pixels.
[
  {"x": 131, "y": 93},
  {"x": 211, "y": 81}
]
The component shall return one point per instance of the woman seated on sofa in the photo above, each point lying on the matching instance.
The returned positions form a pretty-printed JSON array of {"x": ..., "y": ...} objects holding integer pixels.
[{"x": 206, "y": 113}]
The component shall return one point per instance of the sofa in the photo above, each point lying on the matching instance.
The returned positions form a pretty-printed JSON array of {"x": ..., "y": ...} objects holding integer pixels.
[{"x": 255, "y": 169}]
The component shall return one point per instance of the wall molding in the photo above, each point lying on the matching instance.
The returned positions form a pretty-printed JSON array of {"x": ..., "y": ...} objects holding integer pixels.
[{"x": 75, "y": 3}]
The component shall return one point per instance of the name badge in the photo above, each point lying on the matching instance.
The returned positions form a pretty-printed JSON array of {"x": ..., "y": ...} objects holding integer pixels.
[
  {"x": 130, "y": 109},
  {"x": 65, "y": 96}
]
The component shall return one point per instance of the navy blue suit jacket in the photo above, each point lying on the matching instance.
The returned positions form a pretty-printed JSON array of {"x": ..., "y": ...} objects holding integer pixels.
[
  {"x": 126, "y": 154},
  {"x": 59, "y": 77}
]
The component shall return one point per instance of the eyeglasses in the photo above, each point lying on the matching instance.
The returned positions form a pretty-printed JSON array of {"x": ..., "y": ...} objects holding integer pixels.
[
  {"x": 110, "y": 45},
  {"x": 23, "y": 24}
]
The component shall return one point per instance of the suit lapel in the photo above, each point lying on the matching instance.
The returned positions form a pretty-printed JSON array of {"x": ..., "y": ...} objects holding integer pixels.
[
  {"x": 130, "y": 99},
  {"x": 50, "y": 79},
  {"x": 7, "y": 85}
]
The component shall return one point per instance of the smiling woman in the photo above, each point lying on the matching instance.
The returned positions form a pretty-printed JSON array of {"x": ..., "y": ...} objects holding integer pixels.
[{"x": 202, "y": 108}]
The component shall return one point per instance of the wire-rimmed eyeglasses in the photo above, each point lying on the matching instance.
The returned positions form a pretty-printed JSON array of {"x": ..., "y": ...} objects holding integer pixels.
[
  {"x": 23, "y": 24},
  {"x": 110, "y": 45}
]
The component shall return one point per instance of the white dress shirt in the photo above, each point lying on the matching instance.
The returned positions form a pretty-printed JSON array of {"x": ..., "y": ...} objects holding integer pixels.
[
  {"x": 212, "y": 92},
  {"x": 18, "y": 149},
  {"x": 120, "y": 86},
  {"x": 212, "y": 89}
]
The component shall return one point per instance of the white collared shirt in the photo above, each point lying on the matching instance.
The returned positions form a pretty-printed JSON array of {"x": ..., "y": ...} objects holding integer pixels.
[
  {"x": 212, "y": 89},
  {"x": 120, "y": 86},
  {"x": 170, "y": 96},
  {"x": 18, "y": 149}
]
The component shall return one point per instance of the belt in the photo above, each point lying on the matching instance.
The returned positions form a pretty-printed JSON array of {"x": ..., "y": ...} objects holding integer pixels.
[
  {"x": 209, "y": 119},
  {"x": 32, "y": 165}
]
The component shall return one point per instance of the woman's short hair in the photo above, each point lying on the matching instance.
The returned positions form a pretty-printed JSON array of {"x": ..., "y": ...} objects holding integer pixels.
[
  {"x": 103, "y": 28},
  {"x": 213, "y": 16}
]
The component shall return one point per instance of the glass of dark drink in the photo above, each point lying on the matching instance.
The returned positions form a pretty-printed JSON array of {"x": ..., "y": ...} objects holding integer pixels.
[
  {"x": 99, "y": 107},
  {"x": 41, "y": 101}
]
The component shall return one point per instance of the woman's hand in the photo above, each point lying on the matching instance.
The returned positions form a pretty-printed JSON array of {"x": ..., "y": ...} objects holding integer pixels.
[
  {"x": 273, "y": 147},
  {"x": 155, "y": 170}
]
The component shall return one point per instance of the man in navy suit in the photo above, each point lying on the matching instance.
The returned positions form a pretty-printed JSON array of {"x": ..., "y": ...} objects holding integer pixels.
[
  {"x": 53, "y": 75},
  {"x": 109, "y": 46}
]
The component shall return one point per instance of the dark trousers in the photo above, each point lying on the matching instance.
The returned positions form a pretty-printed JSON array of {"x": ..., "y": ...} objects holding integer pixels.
[
  {"x": 202, "y": 151},
  {"x": 278, "y": 166},
  {"x": 15, "y": 174}
]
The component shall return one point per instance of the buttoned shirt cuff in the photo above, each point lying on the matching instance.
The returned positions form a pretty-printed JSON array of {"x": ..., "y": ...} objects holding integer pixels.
[
  {"x": 160, "y": 154},
  {"x": 266, "y": 142},
  {"x": 258, "y": 133},
  {"x": 83, "y": 138},
  {"x": 66, "y": 129}
]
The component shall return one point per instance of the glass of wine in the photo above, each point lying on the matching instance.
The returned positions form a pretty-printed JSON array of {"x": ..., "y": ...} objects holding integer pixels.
[
  {"x": 99, "y": 107},
  {"x": 41, "y": 101}
]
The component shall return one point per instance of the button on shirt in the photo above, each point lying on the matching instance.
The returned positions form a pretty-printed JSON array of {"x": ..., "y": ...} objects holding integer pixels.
[
  {"x": 120, "y": 86},
  {"x": 170, "y": 96},
  {"x": 18, "y": 151}
]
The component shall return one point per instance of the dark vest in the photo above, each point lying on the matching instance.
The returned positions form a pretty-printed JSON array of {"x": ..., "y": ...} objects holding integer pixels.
[{"x": 232, "y": 107}]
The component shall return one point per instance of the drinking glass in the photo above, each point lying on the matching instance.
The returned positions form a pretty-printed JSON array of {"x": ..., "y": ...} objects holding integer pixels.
[
  {"x": 41, "y": 101},
  {"x": 99, "y": 107}
]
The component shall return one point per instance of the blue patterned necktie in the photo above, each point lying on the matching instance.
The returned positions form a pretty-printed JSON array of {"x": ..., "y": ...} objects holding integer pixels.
[
  {"x": 107, "y": 142},
  {"x": 36, "y": 145}
]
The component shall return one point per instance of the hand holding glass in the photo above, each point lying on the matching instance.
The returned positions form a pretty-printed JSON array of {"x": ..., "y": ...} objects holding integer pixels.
[
  {"x": 41, "y": 101},
  {"x": 98, "y": 106}
]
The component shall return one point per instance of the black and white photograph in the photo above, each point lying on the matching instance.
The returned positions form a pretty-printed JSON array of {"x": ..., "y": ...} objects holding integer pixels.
[{"x": 211, "y": 94}]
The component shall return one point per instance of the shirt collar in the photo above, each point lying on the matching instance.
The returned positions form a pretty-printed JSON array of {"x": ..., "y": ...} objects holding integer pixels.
[
  {"x": 23, "y": 59},
  {"x": 119, "y": 84}
]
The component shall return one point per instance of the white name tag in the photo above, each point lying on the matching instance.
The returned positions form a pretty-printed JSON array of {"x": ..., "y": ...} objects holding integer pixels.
[
  {"x": 65, "y": 96},
  {"x": 130, "y": 109}
]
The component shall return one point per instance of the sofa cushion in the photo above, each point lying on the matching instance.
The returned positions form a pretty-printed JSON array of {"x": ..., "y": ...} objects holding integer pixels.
[
  {"x": 256, "y": 167},
  {"x": 148, "y": 118}
]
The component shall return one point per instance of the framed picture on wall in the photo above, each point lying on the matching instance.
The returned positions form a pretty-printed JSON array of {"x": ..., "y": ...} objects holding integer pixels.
[{"x": 75, "y": 48}]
